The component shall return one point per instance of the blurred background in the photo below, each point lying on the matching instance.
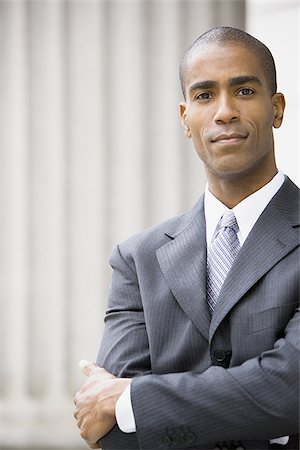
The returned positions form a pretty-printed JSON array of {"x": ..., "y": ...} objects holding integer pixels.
[{"x": 92, "y": 151}]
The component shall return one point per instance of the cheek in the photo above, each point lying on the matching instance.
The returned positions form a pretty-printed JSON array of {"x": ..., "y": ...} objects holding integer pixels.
[
  {"x": 264, "y": 132},
  {"x": 199, "y": 141},
  {"x": 198, "y": 132},
  {"x": 262, "y": 122}
]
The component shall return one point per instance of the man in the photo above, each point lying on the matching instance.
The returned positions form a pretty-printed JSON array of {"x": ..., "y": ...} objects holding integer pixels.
[{"x": 201, "y": 328}]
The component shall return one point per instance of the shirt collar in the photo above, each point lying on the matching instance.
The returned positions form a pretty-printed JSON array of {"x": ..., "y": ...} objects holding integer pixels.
[{"x": 246, "y": 212}]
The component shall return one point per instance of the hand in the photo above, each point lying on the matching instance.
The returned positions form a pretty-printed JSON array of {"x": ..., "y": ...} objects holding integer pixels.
[{"x": 96, "y": 402}]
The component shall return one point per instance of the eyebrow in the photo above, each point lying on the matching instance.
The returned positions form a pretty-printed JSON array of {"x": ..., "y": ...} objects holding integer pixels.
[
  {"x": 209, "y": 84},
  {"x": 243, "y": 79}
]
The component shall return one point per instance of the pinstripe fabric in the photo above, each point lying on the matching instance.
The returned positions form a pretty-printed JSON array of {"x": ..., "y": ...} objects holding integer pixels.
[
  {"x": 221, "y": 255},
  {"x": 158, "y": 325}
]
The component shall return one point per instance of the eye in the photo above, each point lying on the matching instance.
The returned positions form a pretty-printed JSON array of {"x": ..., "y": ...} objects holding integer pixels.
[
  {"x": 245, "y": 92},
  {"x": 204, "y": 96}
]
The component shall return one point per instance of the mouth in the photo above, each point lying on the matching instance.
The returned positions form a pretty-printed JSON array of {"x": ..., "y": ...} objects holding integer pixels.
[{"x": 230, "y": 138}]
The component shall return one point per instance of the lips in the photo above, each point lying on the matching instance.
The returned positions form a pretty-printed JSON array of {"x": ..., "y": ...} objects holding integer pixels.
[{"x": 229, "y": 137}]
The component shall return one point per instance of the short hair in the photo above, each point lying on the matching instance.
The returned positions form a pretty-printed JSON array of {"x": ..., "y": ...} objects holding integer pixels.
[{"x": 224, "y": 35}]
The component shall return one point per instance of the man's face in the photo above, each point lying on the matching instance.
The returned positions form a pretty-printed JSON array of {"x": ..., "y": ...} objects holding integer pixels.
[{"x": 229, "y": 110}]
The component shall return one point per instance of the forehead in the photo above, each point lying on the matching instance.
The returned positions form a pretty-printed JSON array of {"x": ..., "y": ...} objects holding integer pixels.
[{"x": 221, "y": 62}]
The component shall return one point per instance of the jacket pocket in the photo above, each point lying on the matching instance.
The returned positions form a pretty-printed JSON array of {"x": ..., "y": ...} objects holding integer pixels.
[{"x": 276, "y": 317}]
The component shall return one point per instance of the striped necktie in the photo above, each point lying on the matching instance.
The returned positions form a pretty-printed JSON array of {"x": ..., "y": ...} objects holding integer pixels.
[{"x": 221, "y": 254}]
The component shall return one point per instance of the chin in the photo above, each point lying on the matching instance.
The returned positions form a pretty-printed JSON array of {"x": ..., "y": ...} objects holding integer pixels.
[{"x": 233, "y": 173}]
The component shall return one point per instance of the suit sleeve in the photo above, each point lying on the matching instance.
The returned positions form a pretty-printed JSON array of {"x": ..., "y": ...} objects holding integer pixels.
[
  {"x": 124, "y": 349},
  {"x": 256, "y": 399}
]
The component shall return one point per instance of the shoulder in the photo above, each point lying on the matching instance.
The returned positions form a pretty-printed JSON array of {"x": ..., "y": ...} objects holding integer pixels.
[
  {"x": 146, "y": 242},
  {"x": 289, "y": 189},
  {"x": 287, "y": 202}
]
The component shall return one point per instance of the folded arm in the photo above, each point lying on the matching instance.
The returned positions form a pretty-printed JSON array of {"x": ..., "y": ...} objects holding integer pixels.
[{"x": 256, "y": 399}]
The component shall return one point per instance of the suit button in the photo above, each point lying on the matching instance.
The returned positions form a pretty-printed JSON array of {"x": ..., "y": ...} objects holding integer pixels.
[
  {"x": 220, "y": 355},
  {"x": 167, "y": 441},
  {"x": 174, "y": 439},
  {"x": 190, "y": 437}
]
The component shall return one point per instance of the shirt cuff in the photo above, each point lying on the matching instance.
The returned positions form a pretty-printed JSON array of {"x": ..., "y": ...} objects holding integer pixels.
[
  {"x": 281, "y": 440},
  {"x": 124, "y": 412}
]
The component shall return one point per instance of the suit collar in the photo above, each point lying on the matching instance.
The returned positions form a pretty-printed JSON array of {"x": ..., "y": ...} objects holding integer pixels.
[
  {"x": 286, "y": 201},
  {"x": 246, "y": 212},
  {"x": 182, "y": 222}
]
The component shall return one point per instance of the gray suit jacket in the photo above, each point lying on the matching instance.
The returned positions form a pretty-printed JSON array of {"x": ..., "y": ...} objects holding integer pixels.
[{"x": 201, "y": 382}]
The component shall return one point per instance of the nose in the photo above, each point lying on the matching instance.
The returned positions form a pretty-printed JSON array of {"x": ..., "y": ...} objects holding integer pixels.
[{"x": 226, "y": 110}]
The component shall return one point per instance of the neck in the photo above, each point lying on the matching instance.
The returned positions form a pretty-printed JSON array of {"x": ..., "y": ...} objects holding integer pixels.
[{"x": 231, "y": 190}]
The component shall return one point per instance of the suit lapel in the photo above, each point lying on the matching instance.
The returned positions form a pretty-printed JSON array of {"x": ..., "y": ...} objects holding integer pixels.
[
  {"x": 271, "y": 239},
  {"x": 183, "y": 263}
]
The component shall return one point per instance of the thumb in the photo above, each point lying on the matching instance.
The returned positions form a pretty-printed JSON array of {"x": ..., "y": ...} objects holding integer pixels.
[{"x": 87, "y": 367}]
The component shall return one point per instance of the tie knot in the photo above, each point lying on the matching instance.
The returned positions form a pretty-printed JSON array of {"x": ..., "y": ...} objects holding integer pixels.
[{"x": 229, "y": 221}]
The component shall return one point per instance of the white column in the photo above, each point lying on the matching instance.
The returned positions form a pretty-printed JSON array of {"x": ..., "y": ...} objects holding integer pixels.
[
  {"x": 128, "y": 94},
  {"x": 232, "y": 13},
  {"x": 46, "y": 170},
  {"x": 87, "y": 111},
  {"x": 161, "y": 99},
  {"x": 14, "y": 351}
]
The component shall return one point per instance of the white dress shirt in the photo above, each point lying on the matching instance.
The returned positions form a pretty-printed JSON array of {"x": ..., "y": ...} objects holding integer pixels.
[{"x": 246, "y": 212}]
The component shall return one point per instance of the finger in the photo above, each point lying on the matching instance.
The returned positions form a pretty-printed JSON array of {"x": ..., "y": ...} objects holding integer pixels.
[
  {"x": 87, "y": 367},
  {"x": 77, "y": 417},
  {"x": 75, "y": 399}
]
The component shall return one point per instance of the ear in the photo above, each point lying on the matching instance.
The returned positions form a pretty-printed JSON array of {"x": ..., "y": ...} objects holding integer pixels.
[
  {"x": 184, "y": 120},
  {"x": 278, "y": 108}
]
